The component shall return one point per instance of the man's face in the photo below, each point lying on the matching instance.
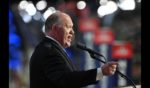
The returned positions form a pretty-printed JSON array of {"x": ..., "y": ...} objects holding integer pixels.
[{"x": 66, "y": 32}]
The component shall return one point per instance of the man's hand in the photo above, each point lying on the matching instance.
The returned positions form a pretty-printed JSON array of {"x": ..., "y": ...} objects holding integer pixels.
[{"x": 109, "y": 68}]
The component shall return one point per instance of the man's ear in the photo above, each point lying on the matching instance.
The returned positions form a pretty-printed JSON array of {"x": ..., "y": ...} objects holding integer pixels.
[{"x": 55, "y": 27}]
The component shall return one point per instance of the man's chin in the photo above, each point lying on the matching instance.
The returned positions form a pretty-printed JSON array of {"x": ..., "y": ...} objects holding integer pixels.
[{"x": 67, "y": 45}]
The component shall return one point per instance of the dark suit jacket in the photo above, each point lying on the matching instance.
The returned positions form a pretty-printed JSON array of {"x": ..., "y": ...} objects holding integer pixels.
[{"x": 50, "y": 67}]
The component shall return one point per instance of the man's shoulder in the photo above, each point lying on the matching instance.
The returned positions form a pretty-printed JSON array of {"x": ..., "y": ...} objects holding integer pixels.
[
  {"x": 44, "y": 44},
  {"x": 47, "y": 44}
]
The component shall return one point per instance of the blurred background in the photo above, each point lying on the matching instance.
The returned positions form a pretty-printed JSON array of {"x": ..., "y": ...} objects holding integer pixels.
[{"x": 110, "y": 27}]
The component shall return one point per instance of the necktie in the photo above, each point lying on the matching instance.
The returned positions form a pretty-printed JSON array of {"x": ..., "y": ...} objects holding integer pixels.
[{"x": 67, "y": 53}]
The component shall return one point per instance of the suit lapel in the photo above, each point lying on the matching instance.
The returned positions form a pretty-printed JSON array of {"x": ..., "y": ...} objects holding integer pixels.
[{"x": 62, "y": 52}]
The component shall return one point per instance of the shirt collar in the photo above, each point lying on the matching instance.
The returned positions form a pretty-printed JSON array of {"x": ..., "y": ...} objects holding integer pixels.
[
  {"x": 57, "y": 43},
  {"x": 54, "y": 40}
]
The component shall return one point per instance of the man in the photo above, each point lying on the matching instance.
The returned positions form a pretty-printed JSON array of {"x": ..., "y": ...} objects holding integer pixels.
[{"x": 50, "y": 66}]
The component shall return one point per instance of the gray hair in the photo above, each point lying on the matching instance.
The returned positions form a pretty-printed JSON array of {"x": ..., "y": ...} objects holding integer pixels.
[{"x": 51, "y": 20}]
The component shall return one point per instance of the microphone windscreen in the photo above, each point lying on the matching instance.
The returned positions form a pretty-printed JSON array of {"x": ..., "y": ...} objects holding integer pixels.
[{"x": 80, "y": 45}]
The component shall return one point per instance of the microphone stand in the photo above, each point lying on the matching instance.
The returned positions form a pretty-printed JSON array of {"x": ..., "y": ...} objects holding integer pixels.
[{"x": 93, "y": 55}]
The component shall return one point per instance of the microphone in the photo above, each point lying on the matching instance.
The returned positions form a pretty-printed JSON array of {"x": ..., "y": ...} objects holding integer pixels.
[
  {"x": 92, "y": 53},
  {"x": 83, "y": 47}
]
